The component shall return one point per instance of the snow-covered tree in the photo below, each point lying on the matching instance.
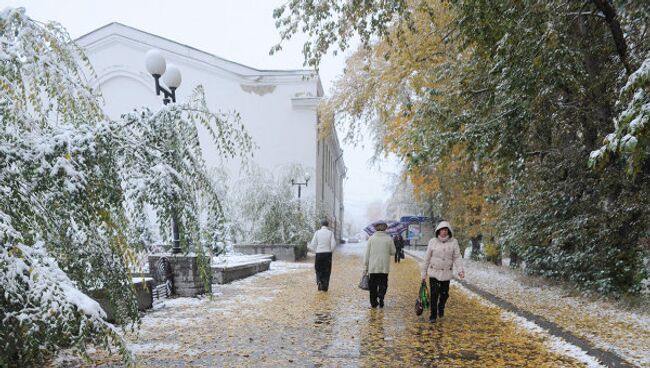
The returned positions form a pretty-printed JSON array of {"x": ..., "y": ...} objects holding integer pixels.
[
  {"x": 631, "y": 140},
  {"x": 73, "y": 184},
  {"x": 268, "y": 211},
  {"x": 162, "y": 166},
  {"x": 61, "y": 217}
]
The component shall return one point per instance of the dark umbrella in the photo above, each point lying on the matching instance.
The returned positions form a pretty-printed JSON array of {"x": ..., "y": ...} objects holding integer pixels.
[{"x": 394, "y": 227}]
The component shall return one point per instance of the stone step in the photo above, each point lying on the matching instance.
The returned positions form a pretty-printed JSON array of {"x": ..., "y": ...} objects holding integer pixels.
[{"x": 225, "y": 273}]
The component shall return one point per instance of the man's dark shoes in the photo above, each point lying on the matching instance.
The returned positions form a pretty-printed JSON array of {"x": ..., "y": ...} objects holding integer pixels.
[
  {"x": 381, "y": 303},
  {"x": 441, "y": 313},
  {"x": 432, "y": 320}
]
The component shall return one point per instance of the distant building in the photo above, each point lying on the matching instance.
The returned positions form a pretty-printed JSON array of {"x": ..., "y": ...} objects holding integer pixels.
[
  {"x": 419, "y": 231},
  {"x": 277, "y": 107}
]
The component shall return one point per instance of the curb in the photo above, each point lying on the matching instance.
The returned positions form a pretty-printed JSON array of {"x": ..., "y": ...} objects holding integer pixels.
[{"x": 607, "y": 358}]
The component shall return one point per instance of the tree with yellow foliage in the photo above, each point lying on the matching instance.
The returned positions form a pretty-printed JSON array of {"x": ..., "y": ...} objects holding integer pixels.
[
  {"x": 385, "y": 84},
  {"x": 502, "y": 102}
]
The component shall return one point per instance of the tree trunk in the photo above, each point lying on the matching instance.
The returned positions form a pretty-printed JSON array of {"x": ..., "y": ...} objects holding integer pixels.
[
  {"x": 514, "y": 259},
  {"x": 476, "y": 246},
  {"x": 611, "y": 18}
]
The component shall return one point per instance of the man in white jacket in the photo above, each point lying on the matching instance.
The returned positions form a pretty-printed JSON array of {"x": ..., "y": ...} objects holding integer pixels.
[{"x": 323, "y": 244}]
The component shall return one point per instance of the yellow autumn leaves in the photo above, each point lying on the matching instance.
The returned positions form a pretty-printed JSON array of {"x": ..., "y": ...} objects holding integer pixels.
[
  {"x": 283, "y": 320},
  {"x": 390, "y": 85}
]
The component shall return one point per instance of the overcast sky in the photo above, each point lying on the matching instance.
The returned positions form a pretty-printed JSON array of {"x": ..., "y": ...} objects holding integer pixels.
[{"x": 238, "y": 30}]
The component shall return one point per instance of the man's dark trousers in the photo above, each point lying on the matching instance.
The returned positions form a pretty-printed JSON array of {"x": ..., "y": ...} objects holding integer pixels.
[
  {"x": 378, "y": 283},
  {"x": 323, "y": 267}
]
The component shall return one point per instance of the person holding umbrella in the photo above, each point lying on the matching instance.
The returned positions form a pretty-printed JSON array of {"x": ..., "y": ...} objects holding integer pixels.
[
  {"x": 442, "y": 257},
  {"x": 376, "y": 263}
]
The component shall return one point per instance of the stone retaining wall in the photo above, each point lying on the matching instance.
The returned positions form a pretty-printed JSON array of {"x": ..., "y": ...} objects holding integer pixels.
[
  {"x": 283, "y": 252},
  {"x": 142, "y": 294},
  {"x": 185, "y": 273},
  {"x": 223, "y": 274}
]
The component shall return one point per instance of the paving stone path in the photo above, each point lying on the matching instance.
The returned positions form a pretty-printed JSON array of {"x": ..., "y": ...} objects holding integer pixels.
[{"x": 281, "y": 320}]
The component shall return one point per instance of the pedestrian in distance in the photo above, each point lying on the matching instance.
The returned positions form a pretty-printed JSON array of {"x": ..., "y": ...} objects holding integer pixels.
[
  {"x": 377, "y": 263},
  {"x": 442, "y": 258},
  {"x": 399, "y": 247},
  {"x": 323, "y": 243}
]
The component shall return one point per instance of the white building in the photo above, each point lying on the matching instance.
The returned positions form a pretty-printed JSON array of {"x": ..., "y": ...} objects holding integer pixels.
[{"x": 277, "y": 107}]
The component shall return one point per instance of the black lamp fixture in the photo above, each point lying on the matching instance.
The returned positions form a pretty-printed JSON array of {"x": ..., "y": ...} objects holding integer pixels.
[
  {"x": 300, "y": 184},
  {"x": 171, "y": 75}
]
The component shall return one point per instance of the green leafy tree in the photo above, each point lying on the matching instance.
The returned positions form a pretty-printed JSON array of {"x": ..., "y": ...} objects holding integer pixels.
[
  {"x": 61, "y": 217},
  {"x": 534, "y": 86},
  {"x": 72, "y": 184}
]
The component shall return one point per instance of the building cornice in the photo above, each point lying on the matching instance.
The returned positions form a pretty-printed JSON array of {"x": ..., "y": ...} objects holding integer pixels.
[
  {"x": 117, "y": 32},
  {"x": 305, "y": 103}
]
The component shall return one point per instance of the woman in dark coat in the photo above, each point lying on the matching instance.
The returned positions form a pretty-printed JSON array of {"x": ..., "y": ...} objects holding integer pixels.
[{"x": 399, "y": 246}]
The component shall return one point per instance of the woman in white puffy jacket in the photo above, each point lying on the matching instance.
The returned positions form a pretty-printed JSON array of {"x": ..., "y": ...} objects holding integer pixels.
[{"x": 442, "y": 258}]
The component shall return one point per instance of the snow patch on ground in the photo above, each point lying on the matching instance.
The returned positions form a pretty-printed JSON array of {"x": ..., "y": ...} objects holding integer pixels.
[
  {"x": 178, "y": 302},
  {"x": 233, "y": 260},
  {"x": 152, "y": 346},
  {"x": 227, "y": 300},
  {"x": 276, "y": 268}
]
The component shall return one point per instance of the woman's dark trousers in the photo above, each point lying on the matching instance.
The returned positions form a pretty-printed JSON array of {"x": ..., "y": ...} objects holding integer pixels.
[
  {"x": 323, "y": 267},
  {"x": 378, "y": 283},
  {"x": 439, "y": 296},
  {"x": 398, "y": 255}
]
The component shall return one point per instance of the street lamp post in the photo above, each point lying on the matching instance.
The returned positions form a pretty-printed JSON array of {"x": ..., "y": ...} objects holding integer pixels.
[
  {"x": 171, "y": 76},
  {"x": 293, "y": 182}
]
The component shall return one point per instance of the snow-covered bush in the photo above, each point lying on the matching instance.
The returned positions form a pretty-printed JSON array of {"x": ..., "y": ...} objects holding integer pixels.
[
  {"x": 269, "y": 212},
  {"x": 57, "y": 314},
  {"x": 631, "y": 139},
  {"x": 73, "y": 186},
  {"x": 60, "y": 199}
]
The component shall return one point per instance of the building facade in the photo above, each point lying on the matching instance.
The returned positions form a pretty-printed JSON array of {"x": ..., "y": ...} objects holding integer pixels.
[{"x": 277, "y": 107}]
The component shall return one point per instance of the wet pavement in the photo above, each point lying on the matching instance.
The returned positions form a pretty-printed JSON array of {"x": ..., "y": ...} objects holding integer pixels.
[{"x": 280, "y": 319}]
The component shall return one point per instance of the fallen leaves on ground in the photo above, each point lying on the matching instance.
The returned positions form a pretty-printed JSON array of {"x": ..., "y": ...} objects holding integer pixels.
[
  {"x": 606, "y": 325},
  {"x": 282, "y": 320}
]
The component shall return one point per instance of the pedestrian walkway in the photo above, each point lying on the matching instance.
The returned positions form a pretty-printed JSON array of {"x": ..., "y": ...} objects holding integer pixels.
[
  {"x": 281, "y": 320},
  {"x": 618, "y": 335}
]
